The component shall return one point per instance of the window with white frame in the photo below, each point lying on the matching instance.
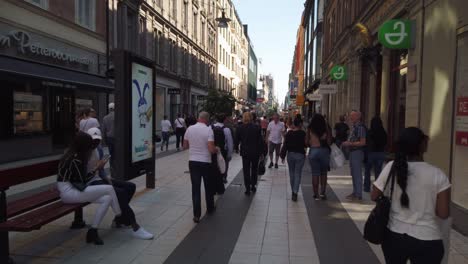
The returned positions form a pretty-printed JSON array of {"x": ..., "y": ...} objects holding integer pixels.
[
  {"x": 40, "y": 3},
  {"x": 85, "y": 13}
]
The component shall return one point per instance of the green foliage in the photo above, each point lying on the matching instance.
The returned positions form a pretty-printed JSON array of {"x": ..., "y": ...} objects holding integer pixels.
[{"x": 217, "y": 102}]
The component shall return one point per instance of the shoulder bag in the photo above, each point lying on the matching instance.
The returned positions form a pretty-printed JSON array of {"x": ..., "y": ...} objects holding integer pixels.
[{"x": 376, "y": 224}]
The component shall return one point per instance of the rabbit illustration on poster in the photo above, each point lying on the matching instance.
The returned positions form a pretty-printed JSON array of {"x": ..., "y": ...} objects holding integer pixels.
[{"x": 143, "y": 108}]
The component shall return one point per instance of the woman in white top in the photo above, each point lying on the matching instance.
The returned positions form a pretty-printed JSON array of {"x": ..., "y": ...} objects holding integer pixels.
[{"x": 421, "y": 195}]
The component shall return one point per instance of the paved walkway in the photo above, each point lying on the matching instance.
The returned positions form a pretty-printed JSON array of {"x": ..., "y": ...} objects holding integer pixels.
[{"x": 263, "y": 228}]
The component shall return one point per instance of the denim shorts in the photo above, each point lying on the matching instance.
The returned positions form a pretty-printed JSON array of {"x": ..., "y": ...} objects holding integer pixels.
[{"x": 319, "y": 159}]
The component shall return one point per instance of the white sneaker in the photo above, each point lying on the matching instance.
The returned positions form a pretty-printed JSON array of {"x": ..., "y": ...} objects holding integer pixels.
[{"x": 141, "y": 233}]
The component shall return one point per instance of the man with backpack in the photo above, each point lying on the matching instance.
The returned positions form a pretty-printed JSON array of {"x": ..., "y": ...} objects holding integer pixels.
[{"x": 223, "y": 140}]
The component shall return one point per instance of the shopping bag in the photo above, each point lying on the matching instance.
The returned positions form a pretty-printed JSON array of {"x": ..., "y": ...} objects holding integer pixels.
[
  {"x": 337, "y": 158},
  {"x": 261, "y": 166},
  {"x": 221, "y": 162}
]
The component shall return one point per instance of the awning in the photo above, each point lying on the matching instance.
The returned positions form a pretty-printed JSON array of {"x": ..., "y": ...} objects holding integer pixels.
[{"x": 41, "y": 71}]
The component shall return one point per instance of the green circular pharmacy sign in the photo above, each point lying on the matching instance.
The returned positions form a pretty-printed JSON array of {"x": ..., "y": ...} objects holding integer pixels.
[
  {"x": 339, "y": 73},
  {"x": 395, "y": 34}
]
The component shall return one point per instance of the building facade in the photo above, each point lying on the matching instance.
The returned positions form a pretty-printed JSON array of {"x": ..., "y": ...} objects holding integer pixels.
[
  {"x": 52, "y": 64},
  {"x": 424, "y": 85},
  {"x": 252, "y": 72},
  {"x": 180, "y": 36},
  {"x": 233, "y": 55}
]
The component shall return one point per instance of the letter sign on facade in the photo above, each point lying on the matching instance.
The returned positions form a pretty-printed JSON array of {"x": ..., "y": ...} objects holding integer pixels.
[
  {"x": 339, "y": 73},
  {"x": 396, "y": 34}
]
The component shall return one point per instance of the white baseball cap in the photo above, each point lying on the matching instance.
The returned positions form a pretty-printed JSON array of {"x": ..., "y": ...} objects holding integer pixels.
[
  {"x": 95, "y": 133},
  {"x": 111, "y": 106}
]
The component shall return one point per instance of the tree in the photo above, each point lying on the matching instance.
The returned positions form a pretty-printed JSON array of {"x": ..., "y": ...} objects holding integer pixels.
[{"x": 217, "y": 102}]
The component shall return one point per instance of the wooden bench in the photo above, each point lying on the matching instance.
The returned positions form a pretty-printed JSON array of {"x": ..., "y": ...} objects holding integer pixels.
[{"x": 31, "y": 212}]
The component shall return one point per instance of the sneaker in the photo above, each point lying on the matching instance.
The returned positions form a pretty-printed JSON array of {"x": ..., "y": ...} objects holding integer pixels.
[
  {"x": 271, "y": 165},
  {"x": 316, "y": 198},
  {"x": 254, "y": 189},
  {"x": 276, "y": 165},
  {"x": 350, "y": 197},
  {"x": 323, "y": 196},
  {"x": 141, "y": 233}
]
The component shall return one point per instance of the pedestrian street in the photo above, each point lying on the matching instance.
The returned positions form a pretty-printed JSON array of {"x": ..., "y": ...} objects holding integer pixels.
[{"x": 266, "y": 227}]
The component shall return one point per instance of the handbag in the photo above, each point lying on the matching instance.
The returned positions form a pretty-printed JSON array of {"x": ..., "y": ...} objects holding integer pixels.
[
  {"x": 261, "y": 166},
  {"x": 376, "y": 224},
  {"x": 80, "y": 186}
]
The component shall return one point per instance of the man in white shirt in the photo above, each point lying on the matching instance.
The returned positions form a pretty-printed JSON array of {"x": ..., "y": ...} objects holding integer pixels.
[
  {"x": 228, "y": 145},
  {"x": 199, "y": 140},
  {"x": 166, "y": 132},
  {"x": 275, "y": 133},
  {"x": 180, "y": 127}
]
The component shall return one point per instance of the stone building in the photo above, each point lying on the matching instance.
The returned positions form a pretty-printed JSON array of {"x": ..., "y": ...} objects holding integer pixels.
[
  {"x": 52, "y": 64},
  {"x": 180, "y": 37},
  {"x": 425, "y": 85}
]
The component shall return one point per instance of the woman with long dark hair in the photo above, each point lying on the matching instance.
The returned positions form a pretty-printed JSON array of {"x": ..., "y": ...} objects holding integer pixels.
[
  {"x": 421, "y": 195},
  {"x": 318, "y": 141},
  {"x": 73, "y": 180},
  {"x": 376, "y": 143},
  {"x": 294, "y": 146}
]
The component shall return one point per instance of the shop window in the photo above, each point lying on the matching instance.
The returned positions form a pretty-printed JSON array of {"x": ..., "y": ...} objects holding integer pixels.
[
  {"x": 44, "y": 4},
  {"x": 28, "y": 112},
  {"x": 85, "y": 13}
]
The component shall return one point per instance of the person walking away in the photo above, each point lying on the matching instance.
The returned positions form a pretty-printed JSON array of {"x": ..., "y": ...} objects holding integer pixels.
[
  {"x": 294, "y": 147},
  {"x": 166, "y": 128},
  {"x": 356, "y": 145},
  {"x": 199, "y": 140},
  {"x": 88, "y": 121},
  {"x": 420, "y": 197},
  {"x": 224, "y": 140},
  {"x": 264, "y": 125},
  {"x": 341, "y": 131},
  {"x": 123, "y": 189},
  {"x": 376, "y": 143},
  {"x": 319, "y": 154},
  {"x": 73, "y": 179},
  {"x": 249, "y": 138},
  {"x": 108, "y": 132},
  {"x": 275, "y": 132},
  {"x": 180, "y": 128}
]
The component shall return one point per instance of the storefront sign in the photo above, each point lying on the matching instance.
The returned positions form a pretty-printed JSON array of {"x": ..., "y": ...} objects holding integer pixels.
[
  {"x": 142, "y": 112},
  {"x": 339, "y": 73},
  {"x": 396, "y": 34},
  {"x": 28, "y": 45},
  {"x": 300, "y": 100},
  {"x": 461, "y": 121},
  {"x": 314, "y": 97},
  {"x": 173, "y": 91},
  {"x": 327, "y": 89}
]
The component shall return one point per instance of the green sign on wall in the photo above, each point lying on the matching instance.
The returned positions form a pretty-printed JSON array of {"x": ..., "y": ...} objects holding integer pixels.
[
  {"x": 396, "y": 34},
  {"x": 339, "y": 73}
]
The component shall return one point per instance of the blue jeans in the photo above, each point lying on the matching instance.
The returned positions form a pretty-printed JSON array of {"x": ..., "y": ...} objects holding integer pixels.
[
  {"x": 374, "y": 160},
  {"x": 356, "y": 158},
  {"x": 295, "y": 164},
  {"x": 319, "y": 159}
]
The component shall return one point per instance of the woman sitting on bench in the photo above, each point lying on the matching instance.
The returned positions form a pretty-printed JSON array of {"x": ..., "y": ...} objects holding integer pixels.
[{"x": 73, "y": 183}]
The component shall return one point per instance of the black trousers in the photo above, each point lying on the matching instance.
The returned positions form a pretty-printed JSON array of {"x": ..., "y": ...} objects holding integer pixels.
[
  {"x": 124, "y": 191},
  {"x": 199, "y": 171},
  {"x": 250, "y": 169},
  {"x": 180, "y": 133},
  {"x": 399, "y": 248}
]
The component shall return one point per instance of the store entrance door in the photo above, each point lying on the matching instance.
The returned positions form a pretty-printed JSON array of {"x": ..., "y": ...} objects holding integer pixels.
[{"x": 62, "y": 117}]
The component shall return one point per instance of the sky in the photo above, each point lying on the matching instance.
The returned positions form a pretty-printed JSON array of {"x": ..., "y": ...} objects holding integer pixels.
[{"x": 272, "y": 29}]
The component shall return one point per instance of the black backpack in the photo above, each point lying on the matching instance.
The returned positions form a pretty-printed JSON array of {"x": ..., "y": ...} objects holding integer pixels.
[{"x": 220, "y": 138}]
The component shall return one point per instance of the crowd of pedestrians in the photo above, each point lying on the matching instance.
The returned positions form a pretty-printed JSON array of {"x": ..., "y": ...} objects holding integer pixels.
[{"x": 420, "y": 191}]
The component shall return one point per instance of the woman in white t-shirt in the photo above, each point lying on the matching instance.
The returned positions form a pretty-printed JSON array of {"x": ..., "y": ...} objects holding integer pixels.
[{"x": 421, "y": 195}]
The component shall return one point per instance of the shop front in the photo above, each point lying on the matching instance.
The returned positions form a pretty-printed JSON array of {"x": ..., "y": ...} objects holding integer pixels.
[{"x": 44, "y": 82}]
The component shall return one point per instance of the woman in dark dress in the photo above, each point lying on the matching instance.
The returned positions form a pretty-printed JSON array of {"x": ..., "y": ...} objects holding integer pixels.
[{"x": 249, "y": 137}]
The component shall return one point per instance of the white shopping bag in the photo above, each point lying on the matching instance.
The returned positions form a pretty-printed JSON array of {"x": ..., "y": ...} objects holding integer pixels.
[
  {"x": 337, "y": 158},
  {"x": 221, "y": 162}
]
